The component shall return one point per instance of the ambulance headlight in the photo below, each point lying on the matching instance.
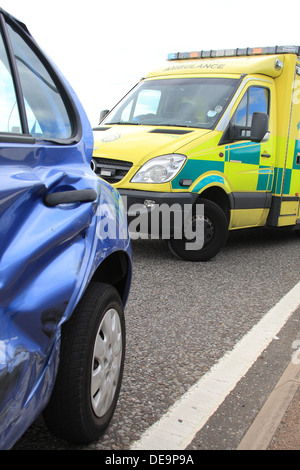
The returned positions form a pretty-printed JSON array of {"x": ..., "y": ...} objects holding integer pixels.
[{"x": 160, "y": 169}]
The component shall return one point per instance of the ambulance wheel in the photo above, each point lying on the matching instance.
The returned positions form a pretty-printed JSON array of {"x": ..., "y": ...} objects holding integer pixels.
[
  {"x": 215, "y": 235},
  {"x": 91, "y": 367}
]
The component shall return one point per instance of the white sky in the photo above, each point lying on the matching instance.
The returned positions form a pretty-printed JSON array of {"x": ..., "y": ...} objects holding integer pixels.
[{"x": 104, "y": 48}]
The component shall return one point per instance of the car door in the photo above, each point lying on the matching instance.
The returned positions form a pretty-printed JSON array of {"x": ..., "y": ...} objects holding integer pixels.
[{"x": 47, "y": 204}]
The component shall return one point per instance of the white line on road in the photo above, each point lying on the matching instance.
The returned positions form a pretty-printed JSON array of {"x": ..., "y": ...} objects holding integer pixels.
[{"x": 177, "y": 428}]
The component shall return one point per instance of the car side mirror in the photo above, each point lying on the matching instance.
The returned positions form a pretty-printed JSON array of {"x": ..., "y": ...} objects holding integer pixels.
[{"x": 259, "y": 126}]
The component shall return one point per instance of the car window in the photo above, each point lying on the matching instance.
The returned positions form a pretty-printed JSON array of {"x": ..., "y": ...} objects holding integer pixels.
[
  {"x": 46, "y": 112},
  {"x": 9, "y": 114}
]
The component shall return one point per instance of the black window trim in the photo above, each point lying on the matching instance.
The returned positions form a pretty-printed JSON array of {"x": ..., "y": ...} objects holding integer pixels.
[
  {"x": 10, "y": 137},
  {"x": 15, "y": 76},
  {"x": 64, "y": 92}
]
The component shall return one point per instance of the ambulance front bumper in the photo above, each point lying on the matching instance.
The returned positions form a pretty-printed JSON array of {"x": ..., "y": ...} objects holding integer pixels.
[{"x": 157, "y": 212}]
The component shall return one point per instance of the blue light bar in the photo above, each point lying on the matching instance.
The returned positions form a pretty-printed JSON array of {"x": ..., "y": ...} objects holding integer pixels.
[{"x": 235, "y": 52}]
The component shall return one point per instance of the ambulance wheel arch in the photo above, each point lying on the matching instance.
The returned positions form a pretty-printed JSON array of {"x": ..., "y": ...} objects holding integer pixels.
[
  {"x": 220, "y": 197},
  {"x": 216, "y": 211}
]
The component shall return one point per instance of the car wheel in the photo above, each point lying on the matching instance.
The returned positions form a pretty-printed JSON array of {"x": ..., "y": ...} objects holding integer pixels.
[
  {"x": 91, "y": 367},
  {"x": 215, "y": 226}
]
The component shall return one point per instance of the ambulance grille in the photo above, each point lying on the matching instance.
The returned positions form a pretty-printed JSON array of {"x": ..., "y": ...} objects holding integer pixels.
[{"x": 112, "y": 171}]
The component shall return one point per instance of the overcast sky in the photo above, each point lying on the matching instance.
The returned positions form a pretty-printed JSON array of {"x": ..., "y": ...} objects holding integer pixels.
[{"x": 104, "y": 48}]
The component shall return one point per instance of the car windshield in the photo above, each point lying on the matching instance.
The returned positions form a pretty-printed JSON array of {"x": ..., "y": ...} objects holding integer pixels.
[{"x": 187, "y": 102}]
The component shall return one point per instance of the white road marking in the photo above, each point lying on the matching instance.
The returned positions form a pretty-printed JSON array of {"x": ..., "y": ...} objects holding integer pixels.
[{"x": 177, "y": 428}]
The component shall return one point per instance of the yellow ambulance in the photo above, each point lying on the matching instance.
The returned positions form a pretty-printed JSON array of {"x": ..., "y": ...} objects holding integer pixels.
[{"x": 217, "y": 129}]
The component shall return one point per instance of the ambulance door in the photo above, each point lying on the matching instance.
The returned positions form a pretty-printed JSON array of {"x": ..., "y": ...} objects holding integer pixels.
[{"x": 250, "y": 165}]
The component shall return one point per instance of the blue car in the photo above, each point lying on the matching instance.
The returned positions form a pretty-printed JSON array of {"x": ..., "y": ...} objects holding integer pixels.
[{"x": 65, "y": 255}]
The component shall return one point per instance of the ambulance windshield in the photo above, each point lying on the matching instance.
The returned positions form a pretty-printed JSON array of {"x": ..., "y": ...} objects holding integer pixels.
[{"x": 187, "y": 102}]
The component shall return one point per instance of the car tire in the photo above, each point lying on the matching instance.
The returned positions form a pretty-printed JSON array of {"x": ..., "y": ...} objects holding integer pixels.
[
  {"x": 215, "y": 235},
  {"x": 91, "y": 367}
]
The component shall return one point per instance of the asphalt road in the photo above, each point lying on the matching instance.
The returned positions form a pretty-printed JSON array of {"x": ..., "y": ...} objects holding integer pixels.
[{"x": 182, "y": 318}]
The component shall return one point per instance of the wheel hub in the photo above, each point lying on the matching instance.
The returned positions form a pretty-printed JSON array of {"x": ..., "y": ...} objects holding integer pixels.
[
  {"x": 208, "y": 228},
  {"x": 106, "y": 362}
]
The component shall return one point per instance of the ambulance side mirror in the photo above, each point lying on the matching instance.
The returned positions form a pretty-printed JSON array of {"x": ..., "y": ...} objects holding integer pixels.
[
  {"x": 259, "y": 126},
  {"x": 255, "y": 133},
  {"x": 103, "y": 113}
]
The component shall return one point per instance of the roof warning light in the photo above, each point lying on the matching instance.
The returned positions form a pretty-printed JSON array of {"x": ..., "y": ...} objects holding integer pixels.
[{"x": 235, "y": 52}]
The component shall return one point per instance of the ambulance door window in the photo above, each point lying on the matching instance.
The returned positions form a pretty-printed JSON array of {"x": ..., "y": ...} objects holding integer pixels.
[
  {"x": 240, "y": 118},
  {"x": 256, "y": 99}
]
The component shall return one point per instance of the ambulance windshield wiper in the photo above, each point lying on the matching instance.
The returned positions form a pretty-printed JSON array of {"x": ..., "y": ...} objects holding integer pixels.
[{"x": 123, "y": 123}]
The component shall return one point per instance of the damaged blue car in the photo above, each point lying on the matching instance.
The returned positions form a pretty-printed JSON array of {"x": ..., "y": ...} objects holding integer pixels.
[{"x": 65, "y": 255}]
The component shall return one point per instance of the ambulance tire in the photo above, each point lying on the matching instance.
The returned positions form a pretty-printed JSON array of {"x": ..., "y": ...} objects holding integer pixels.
[
  {"x": 215, "y": 235},
  {"x": 91, "y": 367}
]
